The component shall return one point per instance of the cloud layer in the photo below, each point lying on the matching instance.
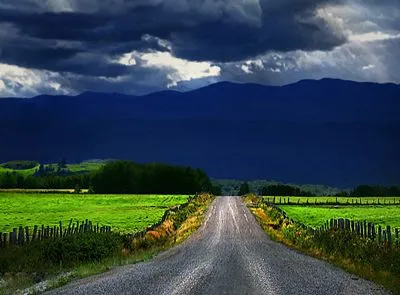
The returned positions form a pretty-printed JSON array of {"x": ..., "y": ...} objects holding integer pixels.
[{"x": 136, "y": 46}]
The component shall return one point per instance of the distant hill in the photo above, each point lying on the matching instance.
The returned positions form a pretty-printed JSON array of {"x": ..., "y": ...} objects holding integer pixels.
[
  {"x": 330, "y": 132},
  {"x": 230, "y": 187},
  {"x": 27, "y": 168}
]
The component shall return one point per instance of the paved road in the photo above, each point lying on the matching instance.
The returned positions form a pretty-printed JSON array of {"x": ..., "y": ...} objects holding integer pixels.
[{"x": 230, "y": 254}]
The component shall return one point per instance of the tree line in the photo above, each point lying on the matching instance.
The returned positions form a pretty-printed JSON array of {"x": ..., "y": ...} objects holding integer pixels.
[
  {"x": 10, "y": 180},
  {"x": 119, "y": 177},
  {"x": 274, "y": 190},
  {"x": 375, "y": 190},
  {"x": 290, "y": 190},
  {"x": 128, "y": 177}
]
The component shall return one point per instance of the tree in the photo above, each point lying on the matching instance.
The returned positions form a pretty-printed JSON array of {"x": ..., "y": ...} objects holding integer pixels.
[
  {"x": 244, "y": 189},
  {"x": 128, "y": 177},
  {"x": 283, "y": 190},
  {"x": 41, "y": 171},
  {"x": 216, "y": 189},
  {"x": 77, "y": 189},
  {"x": 61, "y": 165}
]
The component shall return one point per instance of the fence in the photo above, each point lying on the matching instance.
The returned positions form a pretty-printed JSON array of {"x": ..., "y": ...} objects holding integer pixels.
[
  {"x": 363, "y": 229},
  {"x": 333, "y": 201},
  {"x": 23, "y": 235}
]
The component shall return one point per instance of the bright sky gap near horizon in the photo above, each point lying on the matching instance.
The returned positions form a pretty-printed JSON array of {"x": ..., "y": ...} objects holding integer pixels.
[{"x": 141, "y": 46}]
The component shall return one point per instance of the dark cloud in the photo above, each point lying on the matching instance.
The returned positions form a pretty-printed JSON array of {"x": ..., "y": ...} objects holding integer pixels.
[
  {"x": 201, "y": 30},
  {"x": 80, "y": 41},
  {"x": 35, "y": 57}
]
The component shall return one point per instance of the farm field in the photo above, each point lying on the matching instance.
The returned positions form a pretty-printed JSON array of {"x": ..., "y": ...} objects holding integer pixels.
[
  {"x": 87, "y": 166},
  {"x": 124, "y": 213},
  {"x": 23, "y": 172},
  {"x": 333, "y": 200},
  {"x": 83, "y": 167},
  {"x": 316, "y": 215}
]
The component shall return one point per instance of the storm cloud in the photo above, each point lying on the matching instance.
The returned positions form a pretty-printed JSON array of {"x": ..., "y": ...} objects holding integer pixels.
[{"x": 108, "y": 44}]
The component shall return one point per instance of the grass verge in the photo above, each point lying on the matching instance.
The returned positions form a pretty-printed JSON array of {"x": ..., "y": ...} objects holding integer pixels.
[
  {"x": 361, "y": 257},
  {"x": 24, "y": 276}
]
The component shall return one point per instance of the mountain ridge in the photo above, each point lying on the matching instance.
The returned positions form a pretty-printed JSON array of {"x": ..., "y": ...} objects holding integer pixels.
[
  {"x": 207, "y": 86},
  {"x": 333, "y": 132}
]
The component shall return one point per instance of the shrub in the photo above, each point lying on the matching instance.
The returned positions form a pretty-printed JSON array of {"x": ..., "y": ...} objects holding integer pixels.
[{"x": 65, "y": 251}]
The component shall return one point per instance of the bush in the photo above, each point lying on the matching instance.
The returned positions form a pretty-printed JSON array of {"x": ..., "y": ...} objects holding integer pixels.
[{"x": 65, "y": 251}]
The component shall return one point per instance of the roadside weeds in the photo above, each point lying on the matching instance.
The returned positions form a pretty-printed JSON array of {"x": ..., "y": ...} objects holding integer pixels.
[{"x": 283, "y": 231}]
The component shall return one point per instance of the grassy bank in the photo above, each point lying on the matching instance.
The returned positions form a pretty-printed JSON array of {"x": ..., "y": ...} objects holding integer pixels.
[
  {"x": 363, "y": 257},
  {"x": 81, "y": 256},
  {"x": 316, "y": 215}
]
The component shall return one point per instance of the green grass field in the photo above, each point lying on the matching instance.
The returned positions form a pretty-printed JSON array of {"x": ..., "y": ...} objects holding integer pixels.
[
  {"x": 24, "y": 172},
  {"x": 125, "y": 213},
  {"x": 316, "y": 215},
  {"x": 83, "y": 167},
  {"x": 87, "y": 166},
  {"x": 340, "y": 200}
]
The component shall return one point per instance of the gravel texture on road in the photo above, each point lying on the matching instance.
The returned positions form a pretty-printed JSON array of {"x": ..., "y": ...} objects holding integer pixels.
[{"x": 229, "y": 254}]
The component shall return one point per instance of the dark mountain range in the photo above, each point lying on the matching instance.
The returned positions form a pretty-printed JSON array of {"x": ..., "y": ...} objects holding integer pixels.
[{"x": 331, "y": 132}]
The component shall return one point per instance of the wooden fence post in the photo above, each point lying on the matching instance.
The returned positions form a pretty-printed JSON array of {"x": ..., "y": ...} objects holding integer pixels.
[
  {"x": 369, "y": 231},
  {"x": 389, "y": 235},
  {"x": 373, "y": 232},
  {"x": 35, "y": 229},
  {"x": 27, "y": 239},
  {"x": 73, "y": 229},
  {"x": 379, "y": 233},
  {"x": 365, "y": 229},
  {"x": 14, "y": 236},
  {"x": 347, "y": 224},
  {"x": 361, "y": 229},
  {"x": 69, "y": 227},
  {"x": 20, "y": 235}
]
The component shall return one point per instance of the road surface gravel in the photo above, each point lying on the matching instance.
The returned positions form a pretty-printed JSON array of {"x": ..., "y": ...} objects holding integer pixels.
[{"x": 229, "y": 254}]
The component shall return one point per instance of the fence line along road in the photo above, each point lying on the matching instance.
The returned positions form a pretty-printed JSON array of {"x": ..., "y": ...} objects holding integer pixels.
[{"x": 363, "y": 229}]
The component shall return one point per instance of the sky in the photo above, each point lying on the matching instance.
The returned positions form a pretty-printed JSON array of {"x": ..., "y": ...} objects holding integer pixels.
[{"x": 142, "y": 46}]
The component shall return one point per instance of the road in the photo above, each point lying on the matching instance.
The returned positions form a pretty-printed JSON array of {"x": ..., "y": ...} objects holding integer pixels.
[{"x": 229, "y": 254}]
